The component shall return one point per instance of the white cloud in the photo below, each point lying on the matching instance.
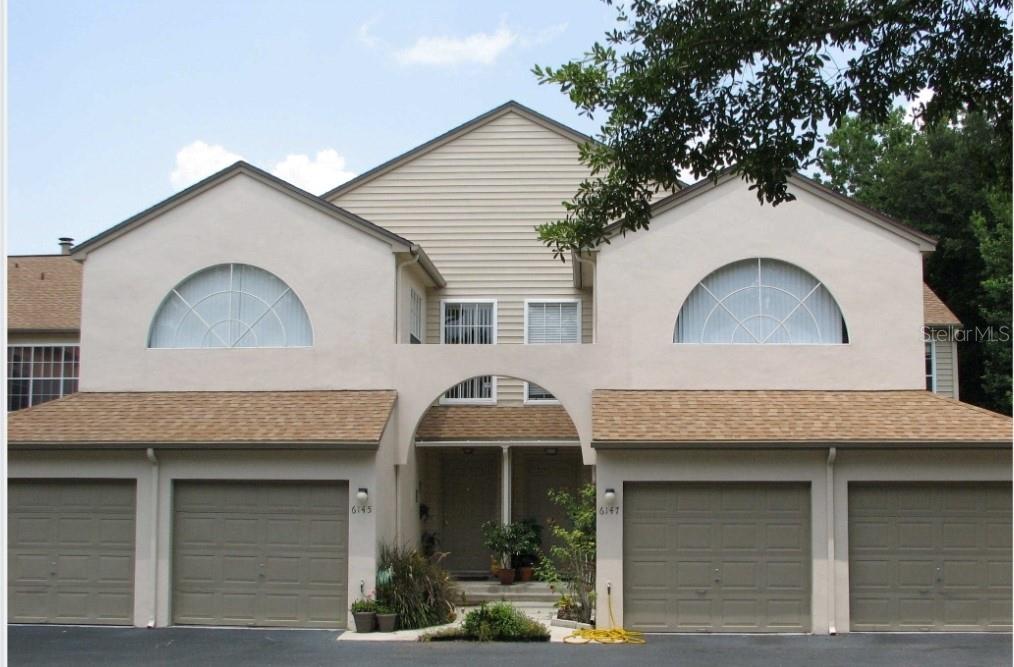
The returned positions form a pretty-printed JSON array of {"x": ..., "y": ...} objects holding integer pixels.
[
  {"x": 480, "y": 48},
  {"x": 317, "y": 175},
  {"x": 197, "y": 160}
]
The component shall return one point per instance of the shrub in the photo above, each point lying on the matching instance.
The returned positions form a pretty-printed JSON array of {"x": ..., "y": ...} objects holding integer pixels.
[
  {"x": 495, "y": 622},
  {"x": 572, "y": 560},
  {"x": 415, "y": 587}
]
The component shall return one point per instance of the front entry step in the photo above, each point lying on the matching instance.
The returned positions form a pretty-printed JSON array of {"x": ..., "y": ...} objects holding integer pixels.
[{"x": 519, "y": 594}]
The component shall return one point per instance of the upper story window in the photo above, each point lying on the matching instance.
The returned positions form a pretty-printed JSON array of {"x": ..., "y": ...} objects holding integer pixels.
[
  {"x": 931, "y": 366},
  {"x": 231, "y": 305},
  {"x": 415, "y": 320},
  {"x": 552, "y": 321},
  {"x": 760, "y": 301},
  {"x": 40, "y": 373},
  {"x": 469, "y": 322}
]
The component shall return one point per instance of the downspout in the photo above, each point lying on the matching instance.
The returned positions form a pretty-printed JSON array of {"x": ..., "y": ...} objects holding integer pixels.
[
  {"x": 416, "y": 255},
  {"x": 832, "y": 624},
  {"x": 595, "y": 306},
  {"x": 154, "y": 535}
]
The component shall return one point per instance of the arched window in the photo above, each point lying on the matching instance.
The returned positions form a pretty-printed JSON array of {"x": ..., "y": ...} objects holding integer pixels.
[
  {"x": 231, "y": 305},
  {"x": 760, "y": 301}
]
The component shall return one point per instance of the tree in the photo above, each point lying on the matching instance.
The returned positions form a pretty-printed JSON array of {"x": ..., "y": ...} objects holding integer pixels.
[
  {"x": 951, "y": 180},
  {"x": 698, "y": 85},
  {"x": 995, "y": 305}
]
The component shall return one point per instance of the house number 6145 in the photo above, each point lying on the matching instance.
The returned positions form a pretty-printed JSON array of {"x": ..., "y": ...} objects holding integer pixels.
[{"x": 365, "y": 509}]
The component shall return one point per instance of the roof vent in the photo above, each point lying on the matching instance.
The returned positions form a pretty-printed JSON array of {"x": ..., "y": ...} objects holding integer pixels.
[{"x": 66, "y": 243}]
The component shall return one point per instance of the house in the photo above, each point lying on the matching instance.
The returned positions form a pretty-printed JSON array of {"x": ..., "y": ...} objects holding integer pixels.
[{"x": 273, "y": 383}]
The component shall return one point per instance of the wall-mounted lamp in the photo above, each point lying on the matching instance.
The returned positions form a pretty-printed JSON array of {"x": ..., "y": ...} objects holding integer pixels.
[
  {"x": 609, "y": 497},
  {"x": 551, "y": 451},
  {"x": 362, "y": 496},
  {"x": 467, "y": 450}
]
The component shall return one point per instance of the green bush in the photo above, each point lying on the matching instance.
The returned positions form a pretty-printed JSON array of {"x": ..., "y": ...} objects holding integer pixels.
[
  {"x": 501, "y": 622},
  {"x": 415, "y": 587},
  {"x": 571, "y": 561}
]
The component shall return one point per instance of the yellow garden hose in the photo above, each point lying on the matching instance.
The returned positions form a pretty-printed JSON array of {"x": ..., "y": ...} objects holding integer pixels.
[{"x": 611, "y": 635}]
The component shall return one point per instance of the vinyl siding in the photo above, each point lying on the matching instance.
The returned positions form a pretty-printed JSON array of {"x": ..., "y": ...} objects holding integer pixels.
[
  {"x": 473, "y": 203},
  {"x": 945, "y": 367}
]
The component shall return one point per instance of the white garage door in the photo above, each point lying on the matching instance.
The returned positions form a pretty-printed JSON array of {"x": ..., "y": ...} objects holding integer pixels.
[
  {"x": 70, "y": 551},
  {"x": 260, "y": 553},
  {"x": 716, "y": 557},
  {"x": 930, "y": 557}
]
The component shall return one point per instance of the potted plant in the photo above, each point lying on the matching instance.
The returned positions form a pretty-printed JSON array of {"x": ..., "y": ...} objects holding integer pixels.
[
  {"x": 500, "y": 540},
  {"x": 364, "y": 611},
  {"x": 528, "y": 535},
  {"x": 387, "y": 619}
]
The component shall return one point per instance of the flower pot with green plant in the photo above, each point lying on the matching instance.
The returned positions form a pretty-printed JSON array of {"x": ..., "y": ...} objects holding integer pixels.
[
  {"x": 364, "y": 611},
  {"x": 505, "y": 543},
  {"x": 387, "y": 619},
  {"x": 528, "y": 535}
]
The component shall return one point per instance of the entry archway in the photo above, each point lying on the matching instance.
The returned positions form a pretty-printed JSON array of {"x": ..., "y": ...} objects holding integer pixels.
[{"x": 488, "y": 449}]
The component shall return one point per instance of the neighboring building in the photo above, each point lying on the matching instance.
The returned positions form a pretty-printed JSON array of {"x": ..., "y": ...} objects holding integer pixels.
[
  {"x": 274, "y": 383},
  {"x": 43, "y": 327}
]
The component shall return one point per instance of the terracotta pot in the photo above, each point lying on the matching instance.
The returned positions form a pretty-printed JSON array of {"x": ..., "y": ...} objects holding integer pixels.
[
  {"x": 525, "y": 573},
  {"x": 365, "y": 621},
  {"x": 506, "y": 576},
  {"x": 387, "y": 622}
]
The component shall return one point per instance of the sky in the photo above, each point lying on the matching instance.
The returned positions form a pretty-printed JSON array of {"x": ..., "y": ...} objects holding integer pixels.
[{"x": 114, "y": 106}]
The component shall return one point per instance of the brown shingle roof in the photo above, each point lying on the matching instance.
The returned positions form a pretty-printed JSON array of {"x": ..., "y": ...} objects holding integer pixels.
[
  {"x": 477, "y": 422},
  {"x": 43, "y": 293},
  {"x": 935, "y": 311},
  {"x": 205, "y": 418},
  {"x": 759, "y": 417}
]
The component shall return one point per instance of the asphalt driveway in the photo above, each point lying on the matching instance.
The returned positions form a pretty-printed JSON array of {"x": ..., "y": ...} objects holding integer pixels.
[{"x": 110, "y": 647}]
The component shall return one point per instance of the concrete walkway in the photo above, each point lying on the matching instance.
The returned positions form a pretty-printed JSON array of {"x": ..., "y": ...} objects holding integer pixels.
[{"x": 48, "y": 646}]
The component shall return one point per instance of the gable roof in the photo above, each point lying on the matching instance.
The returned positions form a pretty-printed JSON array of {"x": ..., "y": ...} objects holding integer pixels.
[
  {"x": 923, "y": 241},
  {"x": 43, "y": 294},
  {"x": 665, "y": 418},
  {"x": 935, "y": 311},
  {"x": 444, "y": 423},
  {"x": 398, "y": 243},
  {"x": 205, "y": 418},
  {"x": 420, "y": 150}
]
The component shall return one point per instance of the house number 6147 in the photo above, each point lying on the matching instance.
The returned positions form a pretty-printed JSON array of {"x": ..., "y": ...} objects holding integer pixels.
[{"x": 609, "y": 510}]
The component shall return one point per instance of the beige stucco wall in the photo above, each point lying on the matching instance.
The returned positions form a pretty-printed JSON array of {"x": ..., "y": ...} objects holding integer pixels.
[
  {"x": 346, "y": 281},
  {"x": 344, "y": 277},
  {"x": 828, "y": 502}
]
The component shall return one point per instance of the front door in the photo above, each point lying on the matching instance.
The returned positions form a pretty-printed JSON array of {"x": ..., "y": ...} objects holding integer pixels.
[{"x": 470, "y": 497}]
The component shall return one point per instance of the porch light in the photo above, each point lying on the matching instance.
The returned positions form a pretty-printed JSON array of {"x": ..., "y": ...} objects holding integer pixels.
[
  {"x": 467, "y": 450},
  {"x": 551, "y": 451},
  {"x": 609, "y": 497},
  {"x": 362, "y": 496}
]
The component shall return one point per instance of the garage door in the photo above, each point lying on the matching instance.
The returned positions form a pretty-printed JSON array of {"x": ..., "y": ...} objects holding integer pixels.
[
  {"x": 71, "y": 551},
  {"x": 260, "y": 553},
  {"x": 716, "y": 557},
  {"x": 930, "y": 557}
]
